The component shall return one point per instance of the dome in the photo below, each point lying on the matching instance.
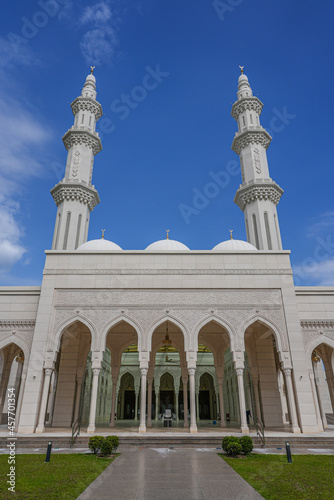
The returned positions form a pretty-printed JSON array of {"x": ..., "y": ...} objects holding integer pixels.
[
  {"x": 234, "y": 246},
  {"x": 166, "y": 245},
  {"x": 100, "y": 244}
]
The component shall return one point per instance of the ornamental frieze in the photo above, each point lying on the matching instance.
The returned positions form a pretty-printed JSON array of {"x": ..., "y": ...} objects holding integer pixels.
[
  {"x": 87, "y": 104},
  {"x": 87, "y": 196},
  {"x": 250, "y": 104},
  {"x": 82, "y": 138},
  {"x": 243, "y": 139},
  {"x": 249, "y": 194}
]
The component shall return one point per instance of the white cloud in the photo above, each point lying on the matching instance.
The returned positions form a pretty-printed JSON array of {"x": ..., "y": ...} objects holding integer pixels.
[
  {"x": 11, "y": 249},
  {"x": 98, "y": 14},
  {"x": 325, "y": 223},
  {"x": 316, "y": 273},
  {"x": 98, "y": 45}
]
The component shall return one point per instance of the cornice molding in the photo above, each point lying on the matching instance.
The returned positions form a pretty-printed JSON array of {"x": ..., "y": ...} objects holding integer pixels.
[
  {"x": 69, "y": 191},
  {"x": 317, "y": 323},
  {"x": 247, "y": 103},
  {"x": 243, "y": 139},
  {"x": 264, "y": 191},
  {"x": 111, "y": 271},
  {"x": 5, "y": 324},
  {"x": 75, "y": 137},
  {"x": 87, "y": 104}
]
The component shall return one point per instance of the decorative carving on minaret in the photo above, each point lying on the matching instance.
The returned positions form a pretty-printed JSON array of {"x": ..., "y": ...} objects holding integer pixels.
[
  {"x": 76, "y": 161},
  {"x": 257, "y": 161}
]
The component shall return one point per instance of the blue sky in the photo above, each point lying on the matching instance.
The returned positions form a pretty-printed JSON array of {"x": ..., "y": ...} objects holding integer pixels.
[{"x": 160, "y": 150}]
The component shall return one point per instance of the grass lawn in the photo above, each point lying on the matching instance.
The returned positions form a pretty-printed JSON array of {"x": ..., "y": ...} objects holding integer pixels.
[
  {"x": 308, "y": 477},
  {"x": 64, "y": 477}
]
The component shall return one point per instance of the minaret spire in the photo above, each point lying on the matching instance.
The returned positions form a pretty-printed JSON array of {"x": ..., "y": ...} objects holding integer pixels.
[
  {"x": 75, "y": 196},
  {"x": 258, "y": 194}
]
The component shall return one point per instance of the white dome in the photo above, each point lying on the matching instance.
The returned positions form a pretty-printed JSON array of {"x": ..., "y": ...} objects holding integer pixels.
[
  {"x": 100, "y": 244},
  {"x": 234, "y": 246},
  {"x": 167, "y": 245}
]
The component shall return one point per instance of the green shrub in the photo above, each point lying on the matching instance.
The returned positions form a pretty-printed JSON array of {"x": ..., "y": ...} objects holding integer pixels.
[
  {"x": 231, "y": 445},
  {"x": 114, "y": 442},
  {"x": 106, "y": 447},
  {"x": 95, "y": 443},
  {"x": 246, "y": 444}
]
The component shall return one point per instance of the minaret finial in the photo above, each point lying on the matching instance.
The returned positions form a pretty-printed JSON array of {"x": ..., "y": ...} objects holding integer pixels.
[
  {"x": 167, "y": 231},
  {"x": 241, "y": 69},
  {"x": 231, "y": 233},
  {"x": 103, "y": 230},
  {"x": 92, "y": 69}
]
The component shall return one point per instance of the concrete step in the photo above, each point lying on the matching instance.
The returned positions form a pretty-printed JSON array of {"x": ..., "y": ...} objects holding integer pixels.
[{"x": 166, "y": 441}]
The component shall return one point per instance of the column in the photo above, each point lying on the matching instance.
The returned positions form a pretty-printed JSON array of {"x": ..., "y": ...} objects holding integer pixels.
[
  {"x": 113, "y": 402},
  {"x": 176, "y": 395},
  {"x": 77, "y": 399},
  {"x": 257, "y": 399},
  {"x": 193, "y": 426},
  {"x": 136, "y": 404},
  {"x": 93, "y": 400},
  {"x": 185, "y": 401},
  {"x": 44, "y": 400},
  {"x": 291, "y": 398},
  {"x": 142, "y": 425},
  {"x": 221, "y": 404},
  {"x": 19, "y": 402},
  {"x": 316, "y": 403},
  {"x": 242, "y": 403},
  {"x": 157, "y": 388},
  {"x": 149, "y": 402},
  {"x": 197, "y": 406}
]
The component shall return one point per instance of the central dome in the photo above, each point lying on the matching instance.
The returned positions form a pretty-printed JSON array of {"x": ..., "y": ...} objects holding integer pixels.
[
  {"x": 234, "y": 246},
  {"x": 100, "y": 244},
  {"x": 166, "y": 245}
]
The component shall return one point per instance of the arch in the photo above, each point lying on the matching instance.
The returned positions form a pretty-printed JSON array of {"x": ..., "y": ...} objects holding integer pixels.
[
  {"x": 224, "y": 324},
  {"x": 174, "y": 376},
  {"x": 176, "y": 322},
  {"x": 114, "y": 322},
  {"x": 280, "y": 340},
  {"x": 317, "y": 342},
  {"x": 22, "y": 344},
  {"x": 67, "y": 324}
]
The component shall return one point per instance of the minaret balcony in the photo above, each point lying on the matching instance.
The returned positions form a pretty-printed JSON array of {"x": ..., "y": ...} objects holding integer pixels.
[
  {"x": 74, "y": 137},
  {"x": 258, "y": 190},
  {"x": 87, "y": 104},
  {"x": 246, "y": 103},
  {"x": 75, "y": 191},
  {"x": 256, "y": 136}
]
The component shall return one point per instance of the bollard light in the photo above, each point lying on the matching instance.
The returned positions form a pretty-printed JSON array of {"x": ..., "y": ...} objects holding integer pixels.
[
  {"x": 48, "y": 452},
  {"x": 288, "y": 452}
]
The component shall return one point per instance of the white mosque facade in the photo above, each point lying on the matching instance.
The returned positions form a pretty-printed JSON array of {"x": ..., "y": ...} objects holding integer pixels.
[{"x": 167, "y": 335}]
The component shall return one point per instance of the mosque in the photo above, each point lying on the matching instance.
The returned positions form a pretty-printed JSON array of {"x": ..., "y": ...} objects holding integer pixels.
[{"x": 167, "y": 336}]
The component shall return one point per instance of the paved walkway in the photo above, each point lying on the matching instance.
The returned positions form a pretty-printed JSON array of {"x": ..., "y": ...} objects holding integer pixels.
[{"x": 168, "y": 474}]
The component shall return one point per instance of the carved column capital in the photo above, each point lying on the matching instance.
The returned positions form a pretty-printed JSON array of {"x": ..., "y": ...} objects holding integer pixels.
[
  {"x": 143, "y": 371},
  {"x": 191, "y": 371},
  {"x": 287, "y": 372},
  {"x": 48, "y": 371},
  {"x": 240, "y": 372},
  {"x": 96, "y": 372}
]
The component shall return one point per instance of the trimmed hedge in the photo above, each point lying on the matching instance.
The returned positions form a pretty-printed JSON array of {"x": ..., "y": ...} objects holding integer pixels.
[
  {"x": 233, "y": 445},
  {"x": 104, "y": 445}
]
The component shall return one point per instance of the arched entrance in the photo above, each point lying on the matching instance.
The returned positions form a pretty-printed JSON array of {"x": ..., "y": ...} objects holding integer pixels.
[
  {"x": 12, "y": 362},
  {"x": 66, "y": 396},
  {"x": 167, "y": 378},
  {"x": 322, "y": 363}
]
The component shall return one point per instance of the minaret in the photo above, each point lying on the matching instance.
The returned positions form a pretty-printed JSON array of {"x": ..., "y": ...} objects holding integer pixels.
[
  {"x": 258, "y": 194},
  {"x": 75, "y": 196}
]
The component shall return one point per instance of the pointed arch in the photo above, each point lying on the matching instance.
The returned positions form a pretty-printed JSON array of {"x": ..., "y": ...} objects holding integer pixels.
[
  {"x": 20, "y": 343},
  {"x": 115, "y": 321},
  {"x": 223, "y": 323},
  {"x": 176, "y": 322},
  {"x": 67, "y": 324},
  {"x": 317, "y": 342},
  {"x": 280, "y": 339}
]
